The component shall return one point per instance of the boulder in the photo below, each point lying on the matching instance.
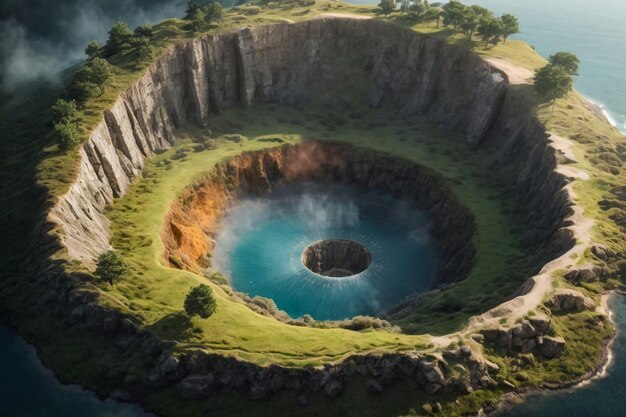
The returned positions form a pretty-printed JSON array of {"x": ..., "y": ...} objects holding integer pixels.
[
  {"x": 565, "y": 299},
  {"x": 552, "y": 347},
  {"x": 196, "y": 386}
]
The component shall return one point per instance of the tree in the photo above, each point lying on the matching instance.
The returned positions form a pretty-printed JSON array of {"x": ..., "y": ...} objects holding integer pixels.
[
  {"x": 83, "y": 86},
  {"x": 100, "y": 73},
  {"x": 566, "y": 60},
  {"x": 198, "y": 24},
  {"x": 200, "y": 301},
  {"x": 192, "y": 8},
  {"x": 552, "y": 82},
  {"x": 92, "y": 50},
  {"x": 510, "y": 26},
  {"x": 469, "y": 22},
  {"x": 67, "y": 134},
  {"x": 417, "y": 9},
  {"x": 387, "y": 6},
  {"x": 119, "y": 36},
  {"x": 404, "y": 6},
  {"x": 454, "y": 13},
  {"x": 65, "y": 112},
  {"x": 213, "y": 12},
  {"x": 111, "y": 267},
  {"x": 490, "y": 30},
  {"x": 431, "y": 14},
  {"x": 144, "y": 31}
]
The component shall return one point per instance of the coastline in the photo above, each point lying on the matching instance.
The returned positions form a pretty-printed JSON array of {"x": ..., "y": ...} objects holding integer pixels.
[
  {"x": 517, "y": 397},
  {"x": 600, "y": 110}
]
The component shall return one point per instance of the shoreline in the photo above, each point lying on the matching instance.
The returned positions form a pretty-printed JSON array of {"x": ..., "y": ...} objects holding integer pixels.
[
  {"x": 517, "y": 397},
  {"x": 601, "y": 111}
]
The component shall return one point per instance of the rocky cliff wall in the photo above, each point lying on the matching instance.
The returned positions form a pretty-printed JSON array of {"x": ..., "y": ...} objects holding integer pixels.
[{"x": 276, "y": 63}]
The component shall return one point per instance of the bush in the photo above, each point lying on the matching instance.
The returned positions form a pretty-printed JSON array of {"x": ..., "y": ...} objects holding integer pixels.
[
  {"x": 67, "y": 135},
  {"x": 111, "y": 267},
  {"x": 200, "y": 301},
  {"x": 65, "y": 112}
]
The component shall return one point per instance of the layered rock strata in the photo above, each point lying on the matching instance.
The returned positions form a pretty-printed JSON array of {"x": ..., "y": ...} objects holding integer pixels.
[{"x": 336, "y": 258}]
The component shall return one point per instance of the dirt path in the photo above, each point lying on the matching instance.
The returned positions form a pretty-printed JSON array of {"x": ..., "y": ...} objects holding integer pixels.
[{"x": 516, "y": 74}]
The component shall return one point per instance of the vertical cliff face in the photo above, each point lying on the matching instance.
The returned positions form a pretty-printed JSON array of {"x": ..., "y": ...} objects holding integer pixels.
[{"x": 279, "y": 63}]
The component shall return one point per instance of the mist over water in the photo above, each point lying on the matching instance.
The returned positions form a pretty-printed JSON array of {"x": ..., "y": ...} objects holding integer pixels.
[{"x": 262, "y": 239}]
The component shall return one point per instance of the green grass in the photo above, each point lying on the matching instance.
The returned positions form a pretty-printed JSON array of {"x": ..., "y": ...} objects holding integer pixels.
[{"x": 155, "y": 293}]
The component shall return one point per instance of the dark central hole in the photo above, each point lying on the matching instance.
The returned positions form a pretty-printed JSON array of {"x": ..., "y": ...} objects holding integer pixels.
[{"x": 336, "y": 258}]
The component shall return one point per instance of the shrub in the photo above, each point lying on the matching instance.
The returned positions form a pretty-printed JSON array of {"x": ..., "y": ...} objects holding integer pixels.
[
  {"x": 65, "y": 112},
  {"x": 111, "y": 267},
  {"x": 200, "y": 301},
  {"x": 119, "y": 36},
  {"x": 67, "y": 135}
]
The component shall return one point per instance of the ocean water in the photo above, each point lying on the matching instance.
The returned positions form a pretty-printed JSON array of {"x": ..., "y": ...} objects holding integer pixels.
[
  {"x": 594, "y": 31},
  {"x": 27, "y": 389},
  {"x": 262, "y": 239}
]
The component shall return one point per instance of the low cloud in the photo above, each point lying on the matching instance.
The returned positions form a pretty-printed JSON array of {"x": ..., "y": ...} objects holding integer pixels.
[{"x": 41, "y": 38}]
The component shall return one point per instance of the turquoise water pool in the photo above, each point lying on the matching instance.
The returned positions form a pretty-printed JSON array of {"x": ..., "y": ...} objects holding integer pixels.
[{"x": 262, "y": 240}]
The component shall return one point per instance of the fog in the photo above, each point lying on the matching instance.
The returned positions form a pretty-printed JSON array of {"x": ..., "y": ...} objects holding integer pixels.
[{"x": 40, "y": 38}]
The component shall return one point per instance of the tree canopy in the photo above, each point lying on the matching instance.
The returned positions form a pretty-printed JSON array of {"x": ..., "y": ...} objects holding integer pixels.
[
  {"x": 111, "y": 267},
  {"x": 552, "y": 82},
  {"x": 510, "y": 26},
  {"x": 200, "y": 301},
  {"x": 387, "y": 6},
  {"x": 567, "y": 61},
  {"x": 119, "y": 36}
]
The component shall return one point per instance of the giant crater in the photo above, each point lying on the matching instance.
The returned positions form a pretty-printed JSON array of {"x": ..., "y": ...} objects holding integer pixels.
[{"x": 339, "y": 64}]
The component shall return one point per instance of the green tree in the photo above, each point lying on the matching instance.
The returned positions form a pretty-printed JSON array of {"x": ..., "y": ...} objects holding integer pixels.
[
  {"x": 119, "y": 36},
  {"x": 469, "y": 22},
  {"x": 200, "y": 301},
  {"x": 65, "y": 112},
  {"x": 433, "y": 13},
  {"x": 490, "y": 30},
  {"x": 566, "y": 60},
  {"x": 387, "y": 6},
  {"x": 100, "y": 73},
  {"x": 67, "y": 135},
  {"x": 417, "y": 9},
  {"x": 111, "y": 267},
  {"x": 92, "y": 50},
  {"x": 552, "y": 82},
  {"x": 213, "y": 12},
  {"x": 83, "y": 87},
  {"x": 454, "y": 13},
  {"x": 510, "y": 26},
  {"x": 193, "y": 7},
  {"x": 404, "y": 6},
  {"x": 198, "y": 24},
  {"x": 144, "y": 31}
]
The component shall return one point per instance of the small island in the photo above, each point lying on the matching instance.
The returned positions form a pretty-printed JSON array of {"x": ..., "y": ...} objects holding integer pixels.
[{"x": 410, "y": 127}]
